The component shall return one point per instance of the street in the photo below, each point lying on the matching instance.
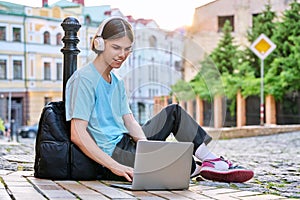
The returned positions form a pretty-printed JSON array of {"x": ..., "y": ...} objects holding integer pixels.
[{"x": 275, "y": 160}]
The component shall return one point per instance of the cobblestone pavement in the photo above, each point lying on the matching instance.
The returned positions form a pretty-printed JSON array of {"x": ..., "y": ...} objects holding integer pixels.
[{"x": 275, "y": 160}]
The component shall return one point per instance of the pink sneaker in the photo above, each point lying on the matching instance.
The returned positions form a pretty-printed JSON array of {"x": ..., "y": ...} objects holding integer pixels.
[{"x": 224, "y": 171}]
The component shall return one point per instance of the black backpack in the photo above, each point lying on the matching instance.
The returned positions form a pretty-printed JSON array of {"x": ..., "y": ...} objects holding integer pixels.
[{"x": 56, "y": 157}]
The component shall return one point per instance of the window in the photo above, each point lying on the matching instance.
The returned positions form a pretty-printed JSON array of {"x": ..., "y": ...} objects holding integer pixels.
[
  {"x": 2, "y": 69},
  {"x": 152, "y": 41},
  {"x": 91, "y": 39},
  {"x": 47, "y": 71},
  {"x": 58, "y": 71},
  {"x": 178, "y": 65},
  {"x": 58, "y": 39},
  {"x": 2, "y": 33},
  {"x": 17, "y": 34},
  {"x": 87, "y": 20},
  {"x": 17, "y": 65},
  {"x": 46, "y": 37},
  {"x": 222, "y": 20}
]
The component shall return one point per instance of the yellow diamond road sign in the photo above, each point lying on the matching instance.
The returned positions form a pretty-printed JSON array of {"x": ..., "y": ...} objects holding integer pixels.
[{"x": 262, "y": 46}]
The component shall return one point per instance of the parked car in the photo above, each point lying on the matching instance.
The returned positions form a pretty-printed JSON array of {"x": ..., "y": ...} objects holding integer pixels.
[{"x": 28, "y": 131}]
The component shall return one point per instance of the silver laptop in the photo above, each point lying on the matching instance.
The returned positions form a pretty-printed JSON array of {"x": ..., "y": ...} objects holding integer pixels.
[{"x": 161, "y": 165}]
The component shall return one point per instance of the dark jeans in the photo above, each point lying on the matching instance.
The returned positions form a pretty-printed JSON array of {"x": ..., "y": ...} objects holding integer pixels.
[{"x": 172, "y": 119}]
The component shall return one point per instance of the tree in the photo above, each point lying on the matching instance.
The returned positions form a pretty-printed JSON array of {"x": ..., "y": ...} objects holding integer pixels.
[
  {"x": 262, "y": 23},
  {"x": 207, "y": 83},
  {"x": 217, "y": 67},
  {"x": 222, "y": 56},
  {"x": 183, "y": 90},
  {"x": 250, "y": 65},
  {"x": 227, "y": 59},
  {"x": 284, "y": 74}
]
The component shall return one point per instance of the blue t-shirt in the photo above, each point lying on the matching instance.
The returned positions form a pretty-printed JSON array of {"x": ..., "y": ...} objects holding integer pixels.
[{"x": 89, "y": 97}]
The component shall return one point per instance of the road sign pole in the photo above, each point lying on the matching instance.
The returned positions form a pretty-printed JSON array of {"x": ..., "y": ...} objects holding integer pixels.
[
  {"x": 262, "y": 47},
  {"x": 262, "y": 106}
]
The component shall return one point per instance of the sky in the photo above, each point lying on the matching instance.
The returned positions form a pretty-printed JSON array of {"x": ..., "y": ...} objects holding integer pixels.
[{"x": 168, "y": 14}]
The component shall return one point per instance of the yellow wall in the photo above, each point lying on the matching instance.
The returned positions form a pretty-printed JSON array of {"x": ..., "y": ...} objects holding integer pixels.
[{"x": 37, "y": 103}]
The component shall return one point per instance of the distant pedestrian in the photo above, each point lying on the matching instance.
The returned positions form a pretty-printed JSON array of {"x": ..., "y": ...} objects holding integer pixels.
[{"x": 7, "y": 130}]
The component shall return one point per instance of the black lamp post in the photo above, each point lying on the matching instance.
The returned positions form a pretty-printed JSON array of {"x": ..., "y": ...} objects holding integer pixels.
[{"x": 71, "y": 26}]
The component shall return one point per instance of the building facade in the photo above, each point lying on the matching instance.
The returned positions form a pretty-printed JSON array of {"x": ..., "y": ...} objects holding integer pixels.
[
  {"x": 209, "y": 20},
  {"x": 154, "y": 65},
  {"x": 204, "y": 35},
  {"x": 31, "y": 67},
  {"x": 31, "y": 60}
]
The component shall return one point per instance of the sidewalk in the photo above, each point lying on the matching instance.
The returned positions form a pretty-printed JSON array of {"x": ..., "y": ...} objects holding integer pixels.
[
  {"x": 274, "y": 159},
  {"x": 21, "y": 185},
  {"x": 250, "y": 131}
]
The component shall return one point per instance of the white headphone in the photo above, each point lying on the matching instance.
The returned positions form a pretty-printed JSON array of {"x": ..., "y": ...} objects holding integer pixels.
[{"x": 98, "y": 39}]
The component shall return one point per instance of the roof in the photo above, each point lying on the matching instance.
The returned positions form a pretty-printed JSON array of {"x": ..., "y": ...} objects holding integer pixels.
[
  {"x": 96, "y": 13},
  {"x": 207, "y": 3},
  {"x": 65, "y": 4},
  {"x": 11, "y": 8},
  {"x": 144, "y": 21}
]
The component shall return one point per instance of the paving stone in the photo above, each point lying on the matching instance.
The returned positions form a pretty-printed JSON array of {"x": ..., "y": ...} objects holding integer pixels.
[
  {"x": 92, "y": 197},
  {"x": 110, "y": 192},
  {"x": 190, "y": 194},
  {"x": 80, "y": 190},
  {"x": 244, "y": 194},
  {"x": 4, "y": 195},
  {"x": 4, "y": 172},
  {"x": 168, "y": 195},
  {"x": 263, "y": 197},
  {"x": 58, "y": 194},
  {"x": 275, "y": 160},
  {"x": 25, "y": 193},
  {"x": 223, "y": 196}
]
